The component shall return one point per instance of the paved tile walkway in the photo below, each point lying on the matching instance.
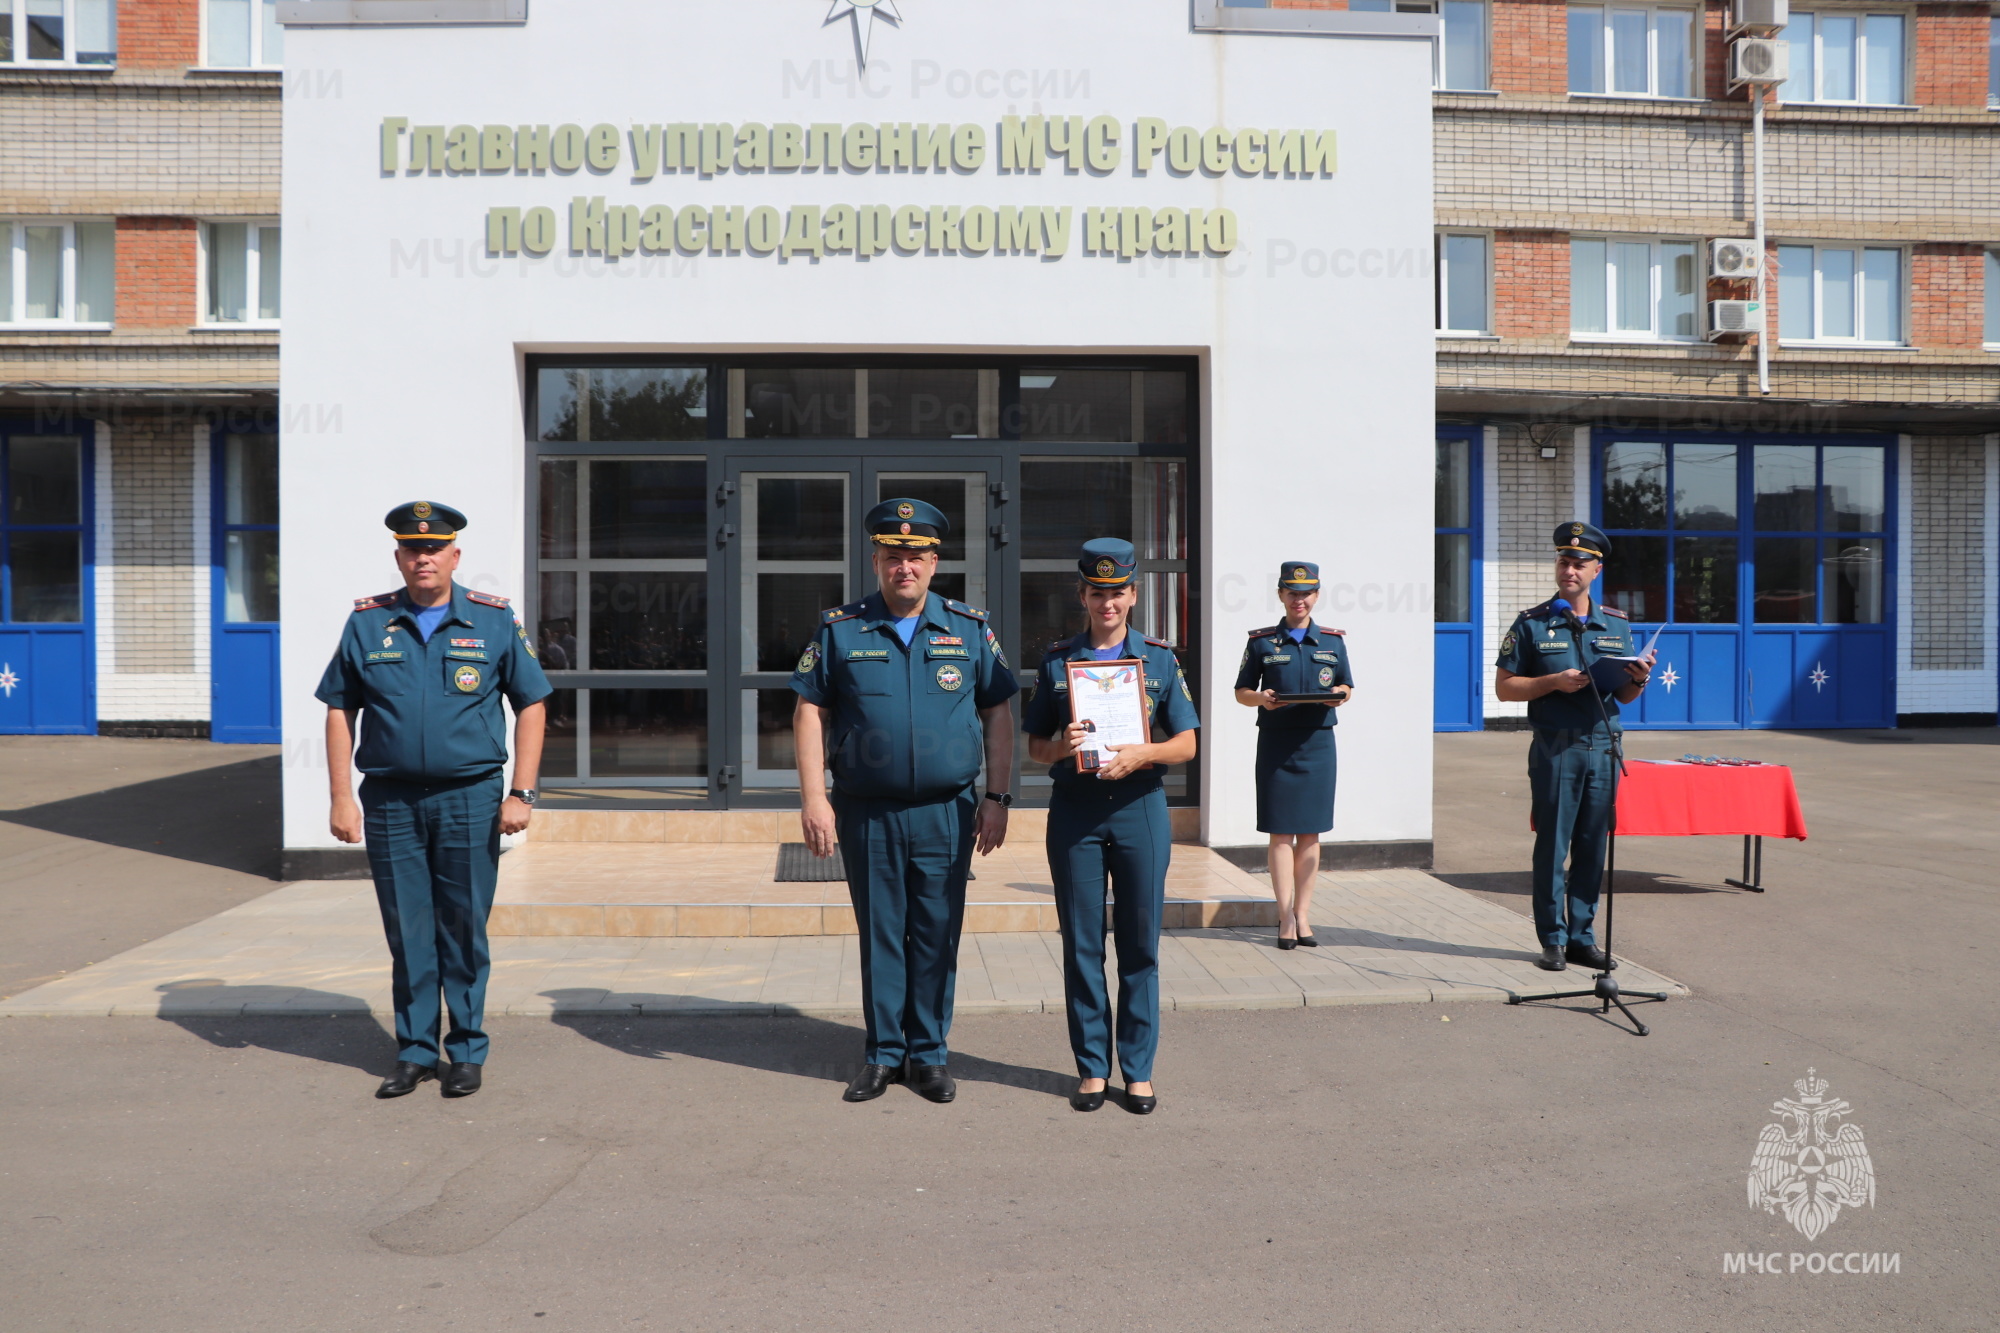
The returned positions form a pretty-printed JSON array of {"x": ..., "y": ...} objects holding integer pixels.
[{"x": 1387, "y": 936}]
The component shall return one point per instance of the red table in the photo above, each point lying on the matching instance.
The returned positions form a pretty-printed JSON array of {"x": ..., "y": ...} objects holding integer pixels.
[{"x": 1675, "y": 800}]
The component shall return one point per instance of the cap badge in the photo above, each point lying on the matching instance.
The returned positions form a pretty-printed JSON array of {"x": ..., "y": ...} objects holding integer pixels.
[
  {"x": 1576, "y": 529},
  {"x": 1106, "y": 568},
  {"x": 906, "y": 527},
  {"x": 423, "y": 527},
  {"x": 1299, "y": 572},
  {"x": 422, "y": 509},
  {"x": 906, "y": 510}
]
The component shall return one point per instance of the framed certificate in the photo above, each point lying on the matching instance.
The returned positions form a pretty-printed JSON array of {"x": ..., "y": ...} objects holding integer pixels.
[{"x": 1109, "y": 699}]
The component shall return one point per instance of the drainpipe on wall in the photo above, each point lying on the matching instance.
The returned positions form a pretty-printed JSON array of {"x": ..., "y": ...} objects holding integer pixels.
[{"x": 1757, "y": 202}]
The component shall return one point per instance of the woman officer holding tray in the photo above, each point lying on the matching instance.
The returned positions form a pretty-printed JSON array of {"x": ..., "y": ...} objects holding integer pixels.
[
  {"x": 1295, "y": 754},
  {"x": 1112, "y": 821}
]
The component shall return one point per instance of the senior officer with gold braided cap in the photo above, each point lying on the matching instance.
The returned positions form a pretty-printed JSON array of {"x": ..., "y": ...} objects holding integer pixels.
[
  {"x": 428, "y": 664},
  {"x": 1545, "y": 660},
  {"x": 905, "y": 691}
]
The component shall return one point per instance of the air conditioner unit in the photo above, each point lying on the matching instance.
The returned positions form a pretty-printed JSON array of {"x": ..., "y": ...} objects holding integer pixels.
[
  {"x": 1726, "y": 317},
  {"x": 1765, "y": 15},
  {"x": 1734, "y": 257},
  {"x": 1759, "y": 60}
]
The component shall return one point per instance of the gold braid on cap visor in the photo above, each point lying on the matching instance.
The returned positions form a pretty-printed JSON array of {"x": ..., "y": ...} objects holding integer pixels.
[
  {"x": 1113, "y": 581},
  {"x": 1584, "y": 550},
  {"x": 910, "y": 541},
  {"x": 444, "y": 538}
]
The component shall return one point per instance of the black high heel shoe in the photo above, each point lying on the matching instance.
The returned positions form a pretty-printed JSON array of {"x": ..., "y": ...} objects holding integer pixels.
[
  {"x": 1138, "y": 1105},
  {"x": 1308, "y": 942},
  {"x": 1086, "y": 1101}
]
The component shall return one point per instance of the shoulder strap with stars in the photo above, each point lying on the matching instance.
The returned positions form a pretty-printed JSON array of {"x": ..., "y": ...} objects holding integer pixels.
[
  {"x": 379, "y": 599},
  {"x": 1614, "y": 611},
  {"x": 837, "y": 613},
  {"x": 962, "y": 609},
  {"x": 487, "y": 599},
  {"x": 1328, "y": 629}
]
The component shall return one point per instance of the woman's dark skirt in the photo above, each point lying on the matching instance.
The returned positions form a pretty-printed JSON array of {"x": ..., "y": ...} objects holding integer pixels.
[{"x": 1295, "y": 778}]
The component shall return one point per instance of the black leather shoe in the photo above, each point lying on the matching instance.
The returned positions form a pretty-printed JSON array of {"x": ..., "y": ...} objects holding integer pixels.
[
  {"x": 405, "y": 1080},
  {"x": 872, "y": 1082},
  {"x": 1138, "y": 1105},
  {"x": 461, "y": 1080},
  {"x": 1551, "y": 959},
  {"x": 933, "y": 1083},
  {"x": 1308, "y": 942},
  {"x": 1590, "y": 956},
  {"x": 1086, "y": 1101},
  {"x": 1284, "y": 943}
]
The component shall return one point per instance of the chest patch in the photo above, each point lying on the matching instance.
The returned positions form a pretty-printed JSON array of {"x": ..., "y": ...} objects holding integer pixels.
[
  {"x": 867, "y": 654},
  {"x": 468, "y": 643},
  {"x": 947, "y": 641},
  {"x": 1326, "y": 677},
  {"x": 1272, "y": 659},
  {"x": 949, "y": 652},
  {"x": 380, "y": 656},
  {"x": 949, "y": 677},
  {"x": 1611, "y": 643},
  {"x": 1553, "y": 645},
  {"x": 467, "y": 678},
  {"x": 1326, "y": 657}
]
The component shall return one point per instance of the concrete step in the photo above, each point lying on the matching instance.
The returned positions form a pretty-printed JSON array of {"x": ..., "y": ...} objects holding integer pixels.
[
  {"x": 711, "y": 889},
  {"x": 752, "y": 826}
]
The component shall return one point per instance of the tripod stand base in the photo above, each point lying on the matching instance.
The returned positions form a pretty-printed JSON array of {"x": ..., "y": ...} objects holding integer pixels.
[{"x": 1606, "y": 991}]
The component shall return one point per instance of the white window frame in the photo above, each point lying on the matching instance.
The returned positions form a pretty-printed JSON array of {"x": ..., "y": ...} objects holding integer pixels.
[
  {"x": 20, "y": 60},
  {"x": 1436, "y": 7},
  {"x": 252, "y": 272},
  {"x": 1861, "y": 16},
  {"x": 1990, "y": 270},
  {"x": 257, "y": 60},
  {"x": 1993, "y": 62},
  {"x": 1438, "y": 271},
  {"x": 1608, "y": 55},
  {"x": 1656, "y": 268},
  {"x": 14, "y": 251},
  {"x": 1860, "y": 249}
]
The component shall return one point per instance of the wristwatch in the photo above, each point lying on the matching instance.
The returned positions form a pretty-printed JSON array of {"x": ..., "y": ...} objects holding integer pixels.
[
  {"x": 1004, "y": 799},
  {"x": 525, "y": 797}
]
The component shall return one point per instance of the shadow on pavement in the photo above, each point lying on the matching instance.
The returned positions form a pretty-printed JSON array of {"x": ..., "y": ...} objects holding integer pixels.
[
  {"x": 803, "y": 1047},
  {"x": 1336, "y": 937},
  {"x": 1520, "y": 883},
  {"x": 226, "y": 817},
  {"x": 213, "y": 1011}
]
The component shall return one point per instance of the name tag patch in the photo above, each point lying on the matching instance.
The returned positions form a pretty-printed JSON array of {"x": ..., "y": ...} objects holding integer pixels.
[
  {"x": 1326, "y": 657},
  {"x": 1275, "y": 658},
  {"x": 948, "y": 652},
  {"x": 380, "y": 656},
  {"x": 867, "y": 654}
]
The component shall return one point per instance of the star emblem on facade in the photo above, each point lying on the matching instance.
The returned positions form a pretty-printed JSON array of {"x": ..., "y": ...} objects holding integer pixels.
[
  {"x": 8, "y": 680},
  {"x": 1670, "y": 678},
  {"x": 1819, "y": 677},
  {"x": 866, "y": 14}
]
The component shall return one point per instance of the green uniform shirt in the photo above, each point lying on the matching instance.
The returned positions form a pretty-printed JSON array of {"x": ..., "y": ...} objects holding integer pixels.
[
  {"x": 432, "y": 709},
  {"x": 1542, "y": 643},
  {"x": 905, "y": 722},
  {"x": 1272, "y": 660}
]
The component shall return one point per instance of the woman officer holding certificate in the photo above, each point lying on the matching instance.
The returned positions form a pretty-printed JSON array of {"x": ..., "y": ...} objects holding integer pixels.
[
  {"x": 1296, "y": 673},
  {"x": 1108, "y": 815}
]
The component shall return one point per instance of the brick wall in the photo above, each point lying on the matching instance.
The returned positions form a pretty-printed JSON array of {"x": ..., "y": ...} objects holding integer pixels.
[
  {"x": 153, "y": 575},
  {"x": 156, "y": 273},
  {"x": 1950, "y": 50},
  {"x": 190, "y": 149},
  {"x": 157, "y": 35},
  {"x": 1534, "y": 494},
  {"x": 1949, "y": 553},
  {"x": 1947, "y": 294},
  {"x": 1531, "y": 47},
  {"x": 1531, "y": 284}
]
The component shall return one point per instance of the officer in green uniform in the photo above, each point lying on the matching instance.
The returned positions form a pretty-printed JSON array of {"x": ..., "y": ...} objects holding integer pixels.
[
  {"x": 1296, "y": 759},
  {"x": 1112, "y": 822},
  {"x": 1545, "y": 661},
  {"x": 906, "y": 692},
  {"x": 429, "y": 664}
]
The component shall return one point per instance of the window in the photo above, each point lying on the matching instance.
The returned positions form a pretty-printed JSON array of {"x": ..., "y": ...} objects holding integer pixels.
[
  {"x": 1993, "y": 298},
  {"x": 1834, "y": 293},
  {"x": 58, "y": 32},
  {"x": 241, "y": 34},
  {"x": 1459, "y": 60},
  {"x": 243, "y": 260},
  {"x": 1453, "y": 588},
  {"x": 41, "y": 530},
  {"x": 1993, "y": 63},
  {"x": 250, "y": 529},
  {"x": 1640, "y": 51},
  {"x": 1633, "y": 288},
  {"x": 1845, "y": 57},
  {"x": 56, "y": 273},
  {"x": 1462, "y": 268}
]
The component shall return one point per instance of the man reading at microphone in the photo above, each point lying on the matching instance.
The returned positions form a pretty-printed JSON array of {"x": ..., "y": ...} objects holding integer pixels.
[{"x": 1545, "y": 661}]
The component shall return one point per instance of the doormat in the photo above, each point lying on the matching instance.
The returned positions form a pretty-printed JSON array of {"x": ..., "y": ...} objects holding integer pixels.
[{"x": 796, "y": 865}]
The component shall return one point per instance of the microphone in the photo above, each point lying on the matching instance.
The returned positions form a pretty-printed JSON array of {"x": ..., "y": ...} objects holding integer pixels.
[{"x": 1562, "y": 605}]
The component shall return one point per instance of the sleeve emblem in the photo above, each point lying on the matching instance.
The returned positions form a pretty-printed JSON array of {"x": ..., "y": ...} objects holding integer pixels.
[{"x": 809, "y": 659}]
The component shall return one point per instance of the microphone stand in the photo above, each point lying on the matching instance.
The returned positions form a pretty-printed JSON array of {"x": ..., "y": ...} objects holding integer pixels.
[{"x": 1605, "y": 988}]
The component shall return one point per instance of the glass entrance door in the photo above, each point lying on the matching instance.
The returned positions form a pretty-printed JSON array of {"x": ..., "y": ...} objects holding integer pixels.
[
  {"x": 794, "y": 534},
  {"x": 243, "y": 692},
  {"x": 46, "y": 661},
  {"x": 1770, "y": 564}
]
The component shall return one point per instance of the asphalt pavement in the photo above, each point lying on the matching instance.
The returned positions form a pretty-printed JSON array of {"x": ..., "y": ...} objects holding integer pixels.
[{"x": 1470, "y": 1167}]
